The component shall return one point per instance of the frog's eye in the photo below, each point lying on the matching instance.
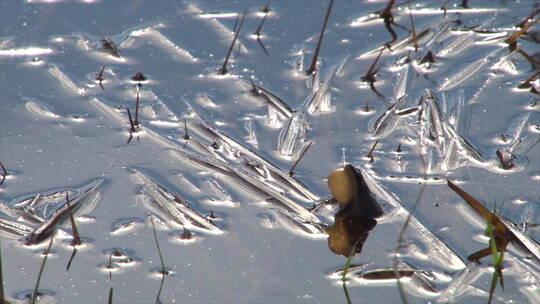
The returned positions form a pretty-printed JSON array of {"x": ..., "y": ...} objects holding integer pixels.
[{"x": 342, "y": 186}]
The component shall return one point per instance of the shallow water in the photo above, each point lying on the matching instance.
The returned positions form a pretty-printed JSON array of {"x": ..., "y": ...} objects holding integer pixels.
[{"x": 61, "y": 131}]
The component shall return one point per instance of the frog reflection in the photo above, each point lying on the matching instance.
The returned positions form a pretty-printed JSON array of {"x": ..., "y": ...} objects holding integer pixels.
[{"x": 357, "y": 213}]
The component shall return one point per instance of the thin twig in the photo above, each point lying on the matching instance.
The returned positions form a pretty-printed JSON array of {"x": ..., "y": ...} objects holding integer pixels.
[
  {"x": 186, "y": 134},
  {"x": 157, "y": 246},
  {"x": 223, "y": 70},
  {"x": 262, "y": 46},
  {"x": 163, "y": 270},
  {"x": 4, "y": 173},
  {"x": 71, "y": 258},
  {"x": 258, "y": 34},
  {"x": 110, "y": 296},
  {"x": 109, "y": 266},
  {"x": 372, "y": 71},
  {"x": 35, "y": 292},
  {"x": 76, "y": 236},
  {"x": 512, "y": 39},
  {"x": 528, "y": 18},
  {"x": 291, "y": 172},
  {"x": 99, "y": 77},
  {"x": 386, "y": 15},
  {"x": 158, "y": 301},
  {"x": 266, "y": 8},
  {"x": 255, "y": 91},
  {"x": 370, "y": 154},
  {"x": 313, "y": 66},
  {"x": 136, "y": 121},
  {"x": 370, "y": 75},
  {"x": 132, "y": 126},
  {"x": 413, "y": 29}
]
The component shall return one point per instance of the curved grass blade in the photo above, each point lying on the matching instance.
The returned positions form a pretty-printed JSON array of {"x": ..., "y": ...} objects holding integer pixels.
[
  {"x": 476, "y": 205},
  {"x": 275, "y": 102}
]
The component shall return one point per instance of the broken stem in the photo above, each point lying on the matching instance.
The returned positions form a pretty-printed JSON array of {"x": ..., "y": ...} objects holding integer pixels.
[
  {"x": 99, "y": 77},
  {"x": 258, "y": 31},
  {"x": 110, "y": 296},
  {"x": 4, "y": 173},
  {"x": 163, "y": 270},
  {"x": 223, "y": 70},
  {"x": 413, "y": 29},
  {"x": 76, "y": 236},
  {"x": 35, "y": 292},
  {"x": 291, "y": 172},
  {"x": 371, "y": 72},
  {"x": 313, "y": 66},
  {"x": 266, "y": 8},
  {"x": 186, "y": 134},
  {"x": 370, "y": 75},
  {"x": 370, "y": 154},
  {"x": 132, "y": 125}
]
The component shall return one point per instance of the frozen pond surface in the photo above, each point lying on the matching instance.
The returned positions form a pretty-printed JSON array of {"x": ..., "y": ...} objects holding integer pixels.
[{"x": 232, "y": 224}]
